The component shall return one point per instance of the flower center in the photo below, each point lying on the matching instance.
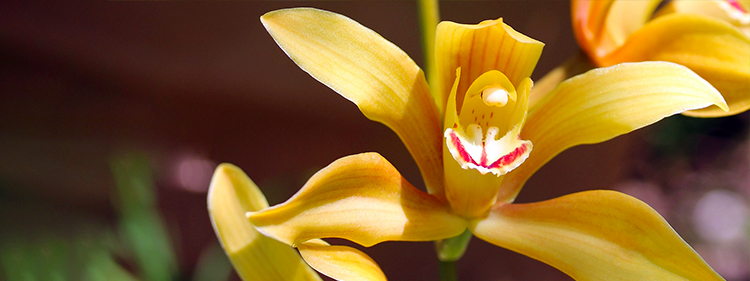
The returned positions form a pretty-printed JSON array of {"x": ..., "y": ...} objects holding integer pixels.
[{"x": 493, "y": 114}]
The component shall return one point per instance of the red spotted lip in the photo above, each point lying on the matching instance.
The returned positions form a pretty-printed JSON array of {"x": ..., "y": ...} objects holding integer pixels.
[{"x": 505, "y": 160}]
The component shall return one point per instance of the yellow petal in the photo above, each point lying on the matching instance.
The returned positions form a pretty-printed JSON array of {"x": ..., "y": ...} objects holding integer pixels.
[
  {"x": 714, "y": 49},
  {"x": 366, "y": 69},
  {"x": 341, "y": 262},
  {"x": 254, "y": 256},
  {"x": 476, "y": 49},
  {"x": 362, "y": 198},
  {"x": 595, "y": 235},
  {"x": 604, "y": 103},
  {"x": 601, "y": 26}
]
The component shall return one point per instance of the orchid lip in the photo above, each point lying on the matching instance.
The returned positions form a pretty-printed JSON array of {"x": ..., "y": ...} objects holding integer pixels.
[
  {"x": 486, "y": 155},
  {"x": 485, "y": 134}
]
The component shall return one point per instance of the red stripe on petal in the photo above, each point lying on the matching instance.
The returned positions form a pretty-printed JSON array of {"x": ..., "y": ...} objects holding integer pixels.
[
  {"x": 736, "y": 5},
  {"x": 510, "y": 157},
  {"x": 460, "y": 148}
]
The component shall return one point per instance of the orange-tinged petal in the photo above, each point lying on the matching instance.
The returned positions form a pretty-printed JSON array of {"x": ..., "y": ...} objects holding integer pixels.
[
  {"x": 588, "y": 19},
  {"x": 601, "y": 26},
  {"x": 604, "y": 103},
  {"x": 476, "y": 49},
  {"x": 341, "y": 262},
  {"x": 714, "y": 49},
  {"x": 366, "y": 69},
  {"x": 595, "y": 235},
  {"x": 362, "y": 198},
  {"x": 254, "y": 256}
]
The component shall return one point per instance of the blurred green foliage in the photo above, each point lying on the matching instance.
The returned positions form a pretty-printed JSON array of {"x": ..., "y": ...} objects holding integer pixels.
[
  {"x": 41, "y": 241},
  {"x": 140, "y": 226}
]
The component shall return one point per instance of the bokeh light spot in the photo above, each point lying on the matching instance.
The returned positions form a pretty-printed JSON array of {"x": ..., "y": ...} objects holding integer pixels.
[{"x": 721, "y": 216}]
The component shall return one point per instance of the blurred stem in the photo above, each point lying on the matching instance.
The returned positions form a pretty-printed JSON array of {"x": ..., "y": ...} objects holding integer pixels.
[
  {"x": 141, "y": 225},
  {"x": 448, "y": 271},
  {"x": 429, "y": 16}
]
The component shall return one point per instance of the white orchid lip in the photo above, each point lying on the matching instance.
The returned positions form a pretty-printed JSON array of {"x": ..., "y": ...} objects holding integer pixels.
[{"x": 488, "y": 154}]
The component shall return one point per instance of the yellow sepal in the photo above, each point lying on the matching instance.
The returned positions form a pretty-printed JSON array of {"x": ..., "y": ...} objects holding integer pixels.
[
  {"x": 595, "y": 235},
  {"x": 364, "y": 199},
  {"x": 340, "y": 262},
  {"x": 254, "y": 256},
  {"x": 604, "y": 103},
  {"x": 371, "y": 72}
]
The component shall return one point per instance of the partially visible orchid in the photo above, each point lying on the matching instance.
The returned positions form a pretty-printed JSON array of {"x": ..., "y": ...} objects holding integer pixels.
[
  {"x": 711, "y": 38},
  {"x": 476, "y": 140}
]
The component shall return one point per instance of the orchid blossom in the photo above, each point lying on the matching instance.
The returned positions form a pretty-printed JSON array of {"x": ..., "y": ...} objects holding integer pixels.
[
  {"x": 711, "y": 38},
  {"x": 476, "y": 140}
]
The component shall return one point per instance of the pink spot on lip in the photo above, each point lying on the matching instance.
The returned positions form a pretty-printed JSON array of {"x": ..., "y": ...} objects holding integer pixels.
[{"x": 736, "y": 5}]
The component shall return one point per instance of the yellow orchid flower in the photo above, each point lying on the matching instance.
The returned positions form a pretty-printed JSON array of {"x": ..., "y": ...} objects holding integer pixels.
[
  {"x": 476, "y": 141},
  {"x": 711, "y": 38}
]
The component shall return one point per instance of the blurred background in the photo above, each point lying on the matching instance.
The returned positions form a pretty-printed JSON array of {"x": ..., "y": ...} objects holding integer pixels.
[{"x": 113, "y": 116}]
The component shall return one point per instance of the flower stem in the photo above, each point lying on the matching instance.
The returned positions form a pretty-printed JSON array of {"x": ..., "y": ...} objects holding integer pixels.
[
  {"x": 452, "y": 249},
  {"x": 448, "y": 271},
  {"x": 429, "y": 16}
]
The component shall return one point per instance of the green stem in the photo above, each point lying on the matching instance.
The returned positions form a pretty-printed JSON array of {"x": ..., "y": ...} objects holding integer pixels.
[
  {"x": 429, "y": 16},
  {"x": 448, "y": 271},
  {"x": 453, "y": 248}
]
